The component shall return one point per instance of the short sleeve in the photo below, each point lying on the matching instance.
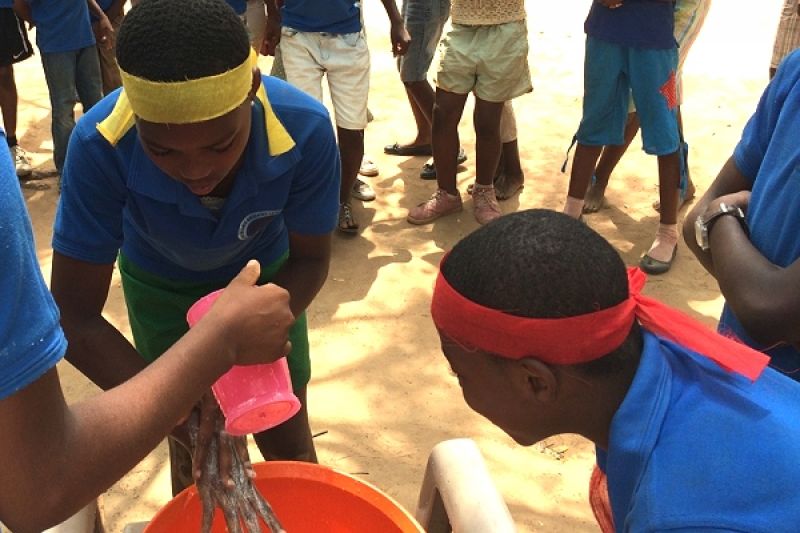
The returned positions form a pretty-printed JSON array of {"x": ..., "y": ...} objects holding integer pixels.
[
  {"x": 88, "y": 223},
  {"x": 31, "y": 339},
  {"x": 313, "y": 202},
  {"x": 757, "y": 134}
]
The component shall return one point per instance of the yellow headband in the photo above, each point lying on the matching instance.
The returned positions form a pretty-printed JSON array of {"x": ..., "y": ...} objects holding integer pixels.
[{"x": 184, "y": 102}]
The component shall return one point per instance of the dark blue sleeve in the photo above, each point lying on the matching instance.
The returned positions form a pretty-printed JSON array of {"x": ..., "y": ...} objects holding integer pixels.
[
  {"x": 313, "y": 202},
  {"x": 88, "y": 223},
  {"x": 757, "y": 134},
  {"x": 31, "y": 339}
]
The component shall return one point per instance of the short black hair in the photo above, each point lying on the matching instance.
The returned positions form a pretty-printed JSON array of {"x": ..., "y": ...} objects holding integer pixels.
[
  {"x": 543, "y": 264},
  {"x": 176, "y": 40}
]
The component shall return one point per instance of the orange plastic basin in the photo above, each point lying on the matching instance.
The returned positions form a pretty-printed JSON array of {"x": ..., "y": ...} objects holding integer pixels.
[{"x": 307, "y": 498}]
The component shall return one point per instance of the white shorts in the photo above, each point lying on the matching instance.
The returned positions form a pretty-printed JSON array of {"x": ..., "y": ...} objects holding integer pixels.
[{"x": 344, "y": 58}]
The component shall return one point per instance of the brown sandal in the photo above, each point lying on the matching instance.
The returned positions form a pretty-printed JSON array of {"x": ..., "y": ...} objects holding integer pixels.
[{"x": 347, "y": 222}]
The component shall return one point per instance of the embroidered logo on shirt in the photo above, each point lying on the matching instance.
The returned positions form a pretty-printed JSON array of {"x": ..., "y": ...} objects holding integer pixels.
[
  {"x": 254, "y": 223},
  {"x": 670, "y": 91}
]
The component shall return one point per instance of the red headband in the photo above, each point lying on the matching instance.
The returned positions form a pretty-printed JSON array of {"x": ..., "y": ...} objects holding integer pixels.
[{"x": 583, "y": 338}]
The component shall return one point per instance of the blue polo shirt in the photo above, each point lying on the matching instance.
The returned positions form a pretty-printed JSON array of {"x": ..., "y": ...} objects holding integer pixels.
[
  {"x": 31, "y": 340},
  {"x": 769, "y": 155},
  {"x": 62, "y": 25},
  {"x": 695, "y": 448},
  {"x": 637, "y": 23},
  {"x": 330, "y": 16},
  {"x": 240, "y": 6},
  {"x": 114, "y": 198}
]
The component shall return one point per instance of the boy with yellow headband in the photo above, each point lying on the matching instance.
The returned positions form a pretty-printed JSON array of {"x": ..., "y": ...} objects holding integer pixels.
[
  {"x": 568, "y": 344},
  {"x": 196, "y": 166}
]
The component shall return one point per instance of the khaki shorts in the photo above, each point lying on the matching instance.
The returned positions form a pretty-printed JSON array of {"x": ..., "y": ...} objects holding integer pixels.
[
  {"x": 490, "y": 60},
  {"x": 343, "y": 58}
]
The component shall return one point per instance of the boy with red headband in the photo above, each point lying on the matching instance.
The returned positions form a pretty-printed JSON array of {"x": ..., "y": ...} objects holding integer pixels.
[{"x": 568, "y": 344}]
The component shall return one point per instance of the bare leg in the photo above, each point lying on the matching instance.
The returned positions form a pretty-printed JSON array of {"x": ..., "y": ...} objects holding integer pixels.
[
  {"x": 8, "y": 100},
  {"x": 663, "y": 247},
  {"x": 486, "y": 119},
  {"x": 687, "y": 195},
  {"x": 421, "y": 97},
  {"x": 582, "y": 169},
  {"x": 509, "y": 177},
  {"x": 611, "y": 156},
  {"x": 446, "y": 115},
  {"x": 351, "y": 152}
]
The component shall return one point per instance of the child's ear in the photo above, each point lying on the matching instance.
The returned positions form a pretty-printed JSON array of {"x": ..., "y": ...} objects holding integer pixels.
[
  {"x": 256, "y": 82},
  {"x": 539, "y": 380}
]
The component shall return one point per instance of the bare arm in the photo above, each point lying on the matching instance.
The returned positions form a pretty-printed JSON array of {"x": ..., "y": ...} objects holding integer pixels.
[
  {"x": 398, "y": 34},
  {"x": 96, "y": 348},
  {"x": 57, "y": 458},
  {"x": 305, "y": 271},
  {"x": 762, "y": 295},
  {"x": 104, "y": 32},
  {"x": 729, "y": 180}
]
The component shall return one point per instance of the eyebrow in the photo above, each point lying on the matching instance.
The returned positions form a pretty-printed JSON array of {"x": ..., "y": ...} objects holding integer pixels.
[{"x": 220, "y": 142}]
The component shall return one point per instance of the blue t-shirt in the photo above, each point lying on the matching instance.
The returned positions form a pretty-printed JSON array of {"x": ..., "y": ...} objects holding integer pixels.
[
  {"x": 330, "y": 16},
  {"x": 637, "y": 23},
  {"x": 240, "y": 6},
  {"x": 6, "y": 3},
  {"x": 114, "y": 197},
  {"x": 62, "y": 25},
  {"x": 31, "y": 340},
  {"x": 695, "y": 448},
  {"x": 769, "y": 155}
]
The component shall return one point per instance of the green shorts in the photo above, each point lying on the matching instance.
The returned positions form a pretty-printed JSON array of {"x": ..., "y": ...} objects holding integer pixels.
[
  {"x": 157, "y": 314},
  {"x": 490, "y": 60}
]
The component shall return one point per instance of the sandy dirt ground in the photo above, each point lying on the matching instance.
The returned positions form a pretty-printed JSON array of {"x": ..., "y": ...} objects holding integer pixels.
[{"x": 380, "y": 387}]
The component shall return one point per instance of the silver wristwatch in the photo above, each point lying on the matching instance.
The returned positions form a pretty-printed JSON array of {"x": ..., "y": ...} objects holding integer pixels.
[{"x": 702, "y": 225}]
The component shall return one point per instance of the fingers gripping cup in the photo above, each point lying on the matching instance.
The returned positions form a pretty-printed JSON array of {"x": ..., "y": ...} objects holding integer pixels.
[{"x": 253, "y": 398}]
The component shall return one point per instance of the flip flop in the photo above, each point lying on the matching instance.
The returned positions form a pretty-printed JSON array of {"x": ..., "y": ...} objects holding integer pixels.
[{"x": 408, "y": 150}]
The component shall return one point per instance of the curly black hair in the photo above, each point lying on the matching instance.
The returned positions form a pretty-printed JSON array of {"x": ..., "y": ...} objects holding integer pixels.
[
  {"x": 543, "y": 264},
  {"x": 176, "y": 40}
]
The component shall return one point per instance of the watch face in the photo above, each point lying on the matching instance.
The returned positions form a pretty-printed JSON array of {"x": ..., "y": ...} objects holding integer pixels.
[{"x": 701, "y": 233}]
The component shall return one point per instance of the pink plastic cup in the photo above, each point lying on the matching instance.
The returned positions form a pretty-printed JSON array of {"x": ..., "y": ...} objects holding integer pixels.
[{"x": 253, "y": 398}]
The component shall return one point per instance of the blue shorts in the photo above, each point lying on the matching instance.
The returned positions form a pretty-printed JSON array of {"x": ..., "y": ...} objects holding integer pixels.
[
  {"x": 424, "y": 20},
  {"x": 611, "y": 73}
]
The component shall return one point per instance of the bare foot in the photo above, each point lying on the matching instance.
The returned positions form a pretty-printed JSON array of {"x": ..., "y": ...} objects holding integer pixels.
[
  {"x": 506, "y": 186},
  {"x": 595, "y": 199}
]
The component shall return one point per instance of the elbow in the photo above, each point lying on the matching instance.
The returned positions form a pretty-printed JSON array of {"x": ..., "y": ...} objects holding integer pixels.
[{"x": 767, "y": 320}]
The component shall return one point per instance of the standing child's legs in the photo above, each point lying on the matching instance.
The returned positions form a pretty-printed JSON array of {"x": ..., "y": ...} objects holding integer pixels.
[
  {"x": 609, "y": 158},
  {"x": 486, "y": 119},
  {"x": 88, "y": 78},
  {"x": 654, "y": 87},
  {"x": 605, "y": 111},
  {"x": 424, "y": 20},
  {"x": 447, "y": 113},
  {"x": 689, "y": 18},
  {"x": 59, "y": 73},
  {"x": 446, "y": 200},
  {"x": 509, "y": 178}
]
